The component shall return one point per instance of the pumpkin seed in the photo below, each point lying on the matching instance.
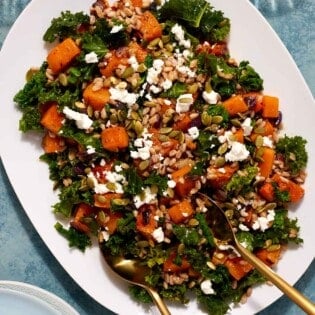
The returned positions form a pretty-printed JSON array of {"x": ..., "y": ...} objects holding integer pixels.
[
  {"x": 259, "y": 153},
  {"x": 120, "y": 201},
  {"x": 174, "y": 134},
  {"x": 211, "y": 265},
  {"x": 217, "y": 119},
  {"x": 154, "y": 189},
  {"x": 138, "y": 127},
  {"x": 142, "y": 244},
  {"x": 89, "y": 111},
  {"x": 164, "y": 138},
  {"x": 259, "y": 141},
  {"x": 128, "y": 72},
  {"x": 166, "y": 130},
  {"x": 90, "y": 182},
  {"x": 180, "y": 248},
  {"x": 273, "y": 247},
  {"x": 63, "y": 79},
  {"x": 193, "y": 222},
  {"x": 223, "y": 148},
  {"x": 113, "y": 119},
  {"x": 134, "y": 115},
  {"x": 169, "y": 47},
  {"x": 229, "y": 213},
  {"x": 206, "y": 119},
  {"x": 144, "y": 165},
  {"x": 192, "y": 89},
  {"x": 101, "y": 198},
  {"x": 259, "y": 129},
  {"x": 181, "y": 137},
  {"x": 235, "y": 122},
  {"x": 153, "y": 43},
  {"x": 208, "y": 87},
  {"x": 101, "y": 217},
  {"x": 141, "y": 68},
  {"x": 268, "y": 243},
  {"x": 30, "y": 73},
  {"x": 165, "y": 39},
  {"x": 111, "y": 186},
  {"x": 220, "y": 161},
  {"x": 79, "y": 105}
]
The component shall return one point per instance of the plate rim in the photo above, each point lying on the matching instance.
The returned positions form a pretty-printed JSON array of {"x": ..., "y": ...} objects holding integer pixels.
[{"x": 37, "y": 293}]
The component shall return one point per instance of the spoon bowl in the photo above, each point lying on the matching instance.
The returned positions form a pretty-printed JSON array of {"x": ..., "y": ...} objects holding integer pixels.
[
  {"x": 134, "y": 272},
  {"x": 223, "y": 233}
]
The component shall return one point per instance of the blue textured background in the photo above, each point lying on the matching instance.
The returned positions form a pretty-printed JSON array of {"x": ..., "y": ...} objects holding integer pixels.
[{"x": 23, "y": 255}]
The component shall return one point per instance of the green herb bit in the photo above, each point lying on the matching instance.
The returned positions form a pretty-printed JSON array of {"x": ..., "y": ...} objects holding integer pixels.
[
  {"x": 241, "y": 180},
  {"x": 206, "y": 231},
  {"x": 294, "y": 152},
  {"x": 66, "y": 25},
  {"x": 74, "y": 237}
]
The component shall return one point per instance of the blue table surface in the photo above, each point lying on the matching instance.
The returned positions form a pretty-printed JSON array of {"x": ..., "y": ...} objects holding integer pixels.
[{"x": 23, "y": 255}]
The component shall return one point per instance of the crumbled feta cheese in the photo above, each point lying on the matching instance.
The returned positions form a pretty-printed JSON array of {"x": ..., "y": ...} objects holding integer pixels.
[
  {"x": 171, "y": 183},
  {"x": 243, "y": 227},
  {"x": 118, "y": 168},
  {"x": 186, "y": 70},
  {"x": 267, "y": 142},
  {"x": 116, "y": 28},
  {"x": 206, "y": 287},
  {"x": 183, "y": 103},
  {"x": 179, "y": 33},
  {"x": 143, "y": 146},
  {"x": 112, "y": 177},
  {"x": 82, "y": 121},
  {"x": 158, "y": 235},
  {"x": 122, "y": 95},
  {"x": 187, "y": 54},
  {"x": 211, "y": 97},
  {"x": 133, "y": 62},
  {"x": 154, "y": 71},
  {"x": 262, "y": 223},
  {"x": 146, "y": 197},
  {"x": 98, "y": 188},
  {"x": 105, "y": 235},
  {"x": 167, "y": 84},
  {"x": 193, "y": 132},
  {"x": 91, "y": 57},
  {"x": 247, "y": 127},
  {"x": 90, "y": 149},
  {"x": 238, "y": 152},
  {"x": 227, "y": 136},
  {"x": 227, "y": 247},
  {"x": 155, "y": 89}
]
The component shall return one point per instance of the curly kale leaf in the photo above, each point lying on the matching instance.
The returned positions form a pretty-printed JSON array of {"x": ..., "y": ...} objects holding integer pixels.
[
  {"x": 214, "y": 26},
  {"x": 242, "y": 182},
  {"x": 69, "y": 196},
  {"x": 187, "y": 236},
  {"x": 66, "y": 25},
  {"x": 30, "y": 120},
  {"x": 75, "y": 238},
  {"x": 248, "y": 78},
  {"x": 279, "y": 232},
  {"x": 28, "y": 96},
  {"x": 157, "y": 180},
  {"x": 219, "y": 110},
  {"x": 294, "y": 152}
]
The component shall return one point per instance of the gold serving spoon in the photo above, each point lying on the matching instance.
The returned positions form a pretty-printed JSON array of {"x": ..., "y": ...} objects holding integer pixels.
[
  {"x": 133, "y": 272},
  {"x": 223, "y": 232}
]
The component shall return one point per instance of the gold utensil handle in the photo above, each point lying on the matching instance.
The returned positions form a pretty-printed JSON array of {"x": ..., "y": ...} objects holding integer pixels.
[
  {"x": 158, "y": 301},
  {"x": 298, "y": 298}
]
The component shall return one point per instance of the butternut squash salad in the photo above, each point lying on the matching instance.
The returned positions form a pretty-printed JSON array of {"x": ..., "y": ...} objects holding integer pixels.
[{"x": 142, "y": 106}]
